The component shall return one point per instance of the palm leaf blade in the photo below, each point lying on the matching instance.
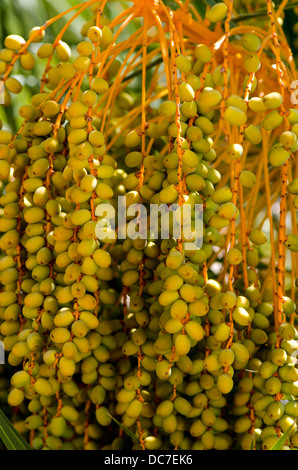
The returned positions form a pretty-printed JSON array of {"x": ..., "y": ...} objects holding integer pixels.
[{"x": 11, "y": 438}]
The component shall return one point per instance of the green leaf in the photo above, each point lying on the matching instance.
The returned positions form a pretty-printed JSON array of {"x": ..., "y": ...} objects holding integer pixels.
[
  {"x": 211, "y": 3},
  {"x": 280, "y": 443},
  {"x": 252, "y": 443},
  {"x": 200, "y": 7},
  {"x": 11, "y": 438},
  {"x": 263, "y": 12},
  {"x": 125, "y": 429}
]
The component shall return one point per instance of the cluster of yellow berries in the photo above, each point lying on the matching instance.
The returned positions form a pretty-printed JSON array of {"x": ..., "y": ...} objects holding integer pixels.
[{"x": 189, "y": 348}]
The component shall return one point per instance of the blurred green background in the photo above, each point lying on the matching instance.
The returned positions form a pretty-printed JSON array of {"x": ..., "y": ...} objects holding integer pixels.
[{"x": 19, "y": 16}]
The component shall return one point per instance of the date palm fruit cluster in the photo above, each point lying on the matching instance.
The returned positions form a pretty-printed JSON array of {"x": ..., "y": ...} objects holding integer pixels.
[{"x": 103, "y": 324}]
